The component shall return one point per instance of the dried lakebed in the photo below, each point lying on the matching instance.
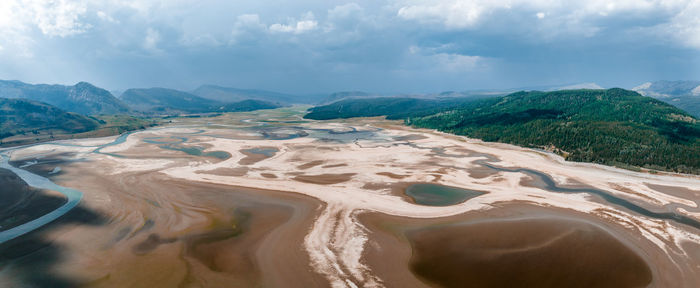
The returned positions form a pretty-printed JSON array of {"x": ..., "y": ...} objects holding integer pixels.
[{"x": 263, "y": 199}]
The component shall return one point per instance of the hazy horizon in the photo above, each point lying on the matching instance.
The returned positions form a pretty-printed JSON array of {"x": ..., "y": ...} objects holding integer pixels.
[{"x": 313, "y": 47}]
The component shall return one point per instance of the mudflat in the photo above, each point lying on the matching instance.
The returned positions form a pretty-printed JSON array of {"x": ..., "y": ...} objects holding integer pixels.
[
  {"x": 21, "y": 203},
  {"x": 510, "y": 246},
  {"x": 323, "y": 203},
  {"x": 525, "y": 253}
]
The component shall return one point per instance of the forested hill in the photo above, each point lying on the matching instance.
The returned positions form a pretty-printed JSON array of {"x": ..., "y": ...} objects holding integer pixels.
[
  {"x": 22, "y": 116},
  {"x": 24, "y": 121},
  {"x": 614, "y": 127},
  {"x": 391, "y": 107},
  {"x": 170, "y": 101}
]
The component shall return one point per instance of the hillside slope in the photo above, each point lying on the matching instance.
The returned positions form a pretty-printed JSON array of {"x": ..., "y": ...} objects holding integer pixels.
[
  {"x": 22, "y": 116},
  {"x": 169, "y": 101},
  {"x": 83, "y": 98},
  {"x": 230, "y": 95},
  {"x": 392, "y": 107},
  {"x": 614, "y": 127},
  {"x": 682, "y": 94}
]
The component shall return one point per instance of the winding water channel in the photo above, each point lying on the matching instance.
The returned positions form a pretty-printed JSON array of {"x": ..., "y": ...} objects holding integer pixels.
[
  {"x": 73, "y": 196},
  {"x": 270, "y": 132},
  {"x": 550, "y": 185}
]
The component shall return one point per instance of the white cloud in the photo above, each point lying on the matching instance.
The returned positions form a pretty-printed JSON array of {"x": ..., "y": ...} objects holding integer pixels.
[
  {"x": 678, "y": 18},
  {"x": 61, "y": 18},
  {"x": 685, "y": 25},
  {"x": 106, "y": 17},
  {"x": 347, "y": 17},
  {"x": 14, "y": 28},
  {"x": 306, "y": 24},
  {"x": 696, "y": 91},
  {"x": 247, "y": 27},
  {"x": 436, "y": 58},
  {"x": 150, "y": 42},
  {"x": 249, "y": 20},
  {"x": 453, "y": 14},
  {"x": 350, "y": 10}
]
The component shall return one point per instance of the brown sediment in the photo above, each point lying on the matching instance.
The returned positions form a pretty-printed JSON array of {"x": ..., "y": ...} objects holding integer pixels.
[
  {"x": 268, "y": 175},
  {"x": 676, "y": 191},
  {"x": 516, "y": 245},
  {"x": 525, "y": 253},
  {"x": 443, "y": 170},
  {"x": 310, "y": 164},
  {"x": 252, "y": 158},
  {"x": 202, "y": 240},
  {"x": 334, "y": 165},
  {"x": 377, "y": 186},
  {"x": 21, "y": 203},
  {"x": 481, "y": 172},
  {"x": 392, "y": 175},
  {"x": 630, "y": 191},
  {"x": 648, "y": 202},
  {"x": 237, "y": 171},
  {"x": 325, "y": 179},
  {"x": 410, "y": 137},
  {"x": 399, "y": 189},
  {"x": 200, "y": 234}
]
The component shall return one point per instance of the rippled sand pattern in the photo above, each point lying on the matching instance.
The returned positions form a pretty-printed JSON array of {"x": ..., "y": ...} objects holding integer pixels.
[{"x": 323, "y": 204}]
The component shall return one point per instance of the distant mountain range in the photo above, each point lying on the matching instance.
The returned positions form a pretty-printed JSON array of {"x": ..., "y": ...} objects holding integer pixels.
[
  {"x": 682, "y": 94},
  {"x": 170, "y": 101},
  {"x": 87, "y": 99},
  {"x": 338, "y": 96},
  {"x": 83, "y": 98},
  {"x": 229, "y": 95}
]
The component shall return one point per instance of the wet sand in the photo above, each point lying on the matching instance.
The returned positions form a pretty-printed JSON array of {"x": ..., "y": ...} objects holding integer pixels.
[
  {"x": 21, "y": 203},
  {"x": 238, "y": 171},
  {"x": 163, "y": 232},
  {"x": 311, "y": 164},
  {"x": 525, "y": 253},
  {"x": 392, "y": 175},
  {"x": 252, "y": 156},
  {"x": 325, "y": 179},
  {"x": 176, "y": 219},
  {"x": 514, "y": 245}
]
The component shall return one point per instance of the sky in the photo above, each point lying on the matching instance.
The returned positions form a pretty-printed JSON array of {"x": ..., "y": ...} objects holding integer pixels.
[{"x": 381, "y": 46}]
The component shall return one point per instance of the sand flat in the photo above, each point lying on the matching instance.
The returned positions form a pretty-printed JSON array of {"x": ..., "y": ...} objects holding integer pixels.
[{"x": 187, "y": 220}]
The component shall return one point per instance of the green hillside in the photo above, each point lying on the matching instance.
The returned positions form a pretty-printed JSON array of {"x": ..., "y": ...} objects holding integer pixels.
[
  {"x": 392, "y": 107},
  {"x": 169, "y": 101},
  {"x": 614, "y": 127},
  {"x": 21, "y": 116},
  {"x": 25, "y": 121}
]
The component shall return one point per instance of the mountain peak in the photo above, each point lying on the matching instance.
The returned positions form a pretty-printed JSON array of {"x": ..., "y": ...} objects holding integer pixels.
[{"x": 83, "y": 97}]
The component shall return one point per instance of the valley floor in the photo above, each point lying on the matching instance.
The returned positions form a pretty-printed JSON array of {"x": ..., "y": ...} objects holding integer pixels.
[{"x": 268, "y": 199}]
